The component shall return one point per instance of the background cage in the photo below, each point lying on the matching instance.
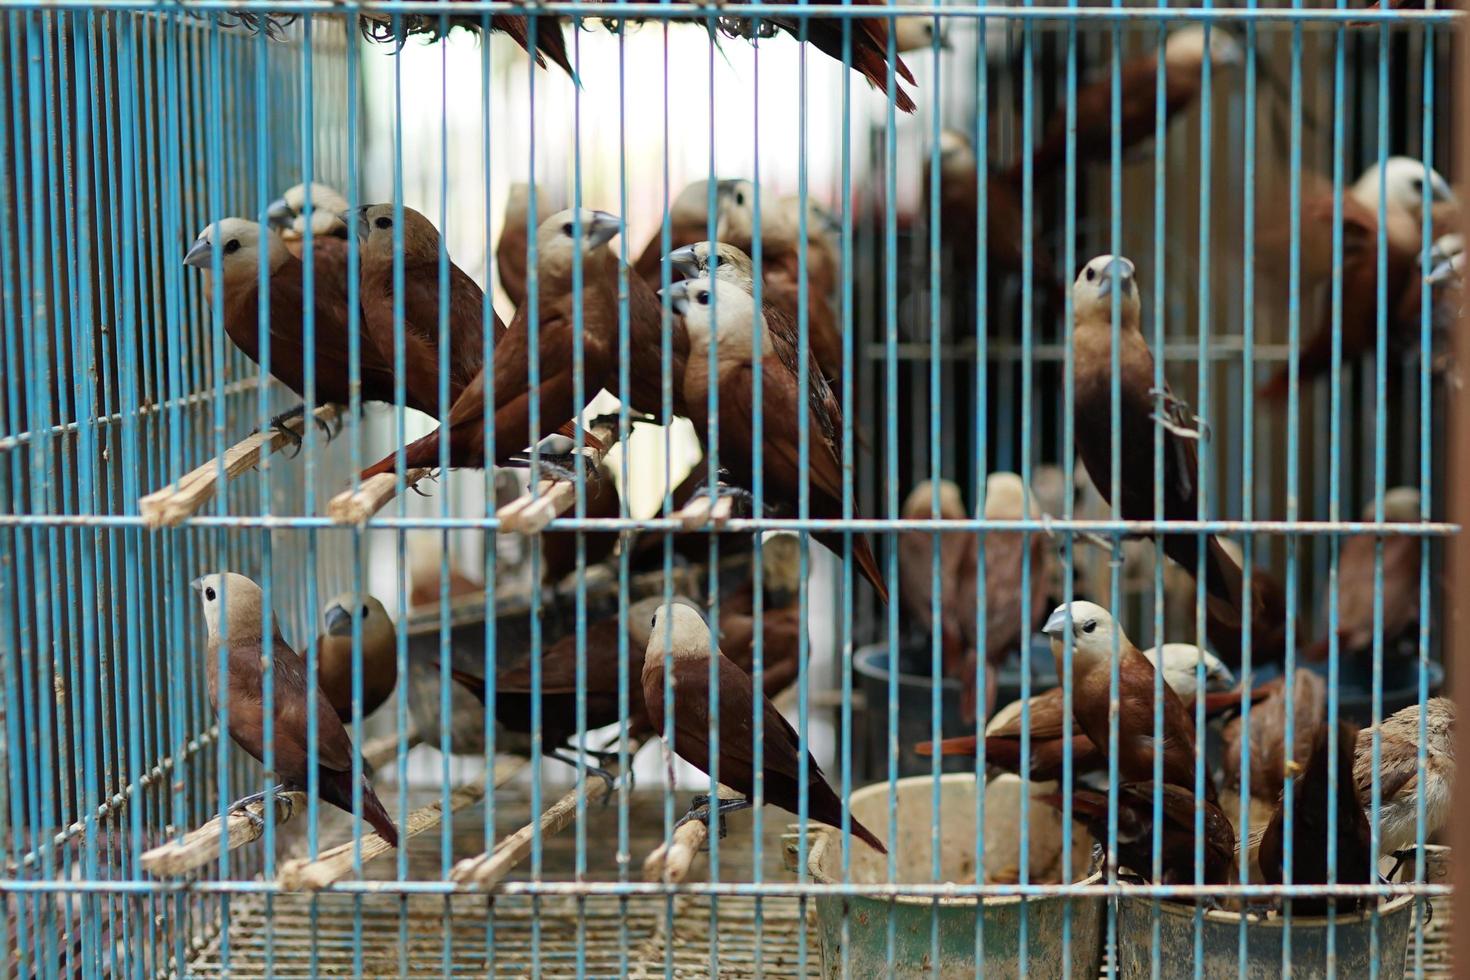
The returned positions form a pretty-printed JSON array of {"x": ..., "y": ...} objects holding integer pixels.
[{"x": 129, "y": 127}]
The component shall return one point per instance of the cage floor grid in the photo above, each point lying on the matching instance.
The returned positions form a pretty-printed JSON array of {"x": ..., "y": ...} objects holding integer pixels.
[{"x": 301, "y": 935}]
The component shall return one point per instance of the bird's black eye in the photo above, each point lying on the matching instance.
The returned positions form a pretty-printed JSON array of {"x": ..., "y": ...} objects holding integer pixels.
[
  {"x": 1418, "y": 186},
  {"x": 383, "y": 222},
  {"x": 364, "y": 611},
  {"x": 652, "y": 623},
  {"x": 232, "y": 246},
  {"x": 209, "y": 593},
  {"x": 566, "y": 229},
  {"x": 1091, "y": 625},
  {"x": 702, "y": 298},
  {"x": 1091, "y": 274},
  {"x": 740, "y": 198}
]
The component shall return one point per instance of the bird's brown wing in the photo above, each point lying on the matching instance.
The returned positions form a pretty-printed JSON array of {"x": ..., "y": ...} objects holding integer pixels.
[
  {"x": 291, "y": 704},
  {"x": 1047, "y": 719}
]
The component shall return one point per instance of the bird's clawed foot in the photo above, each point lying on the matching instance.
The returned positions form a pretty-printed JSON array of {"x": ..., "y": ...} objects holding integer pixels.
[
  {"x": 278, "y": 425},
  {"x": 597, "y": 771},
  {"x": 242, "y": 807},
  {"x": 1170, "y": 409},
  {"x": 613, "y": 420},
  {"x": 699, "y": 810},
  {"x": 556, "y": 466}
]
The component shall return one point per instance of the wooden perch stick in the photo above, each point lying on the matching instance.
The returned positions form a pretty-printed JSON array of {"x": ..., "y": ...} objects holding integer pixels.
[
  {"x": 334, "y": 864},
  {"x": 486, "y": 870},
  {"x": 670, "y": 863},
  {"x": 177, "y": 502},
  {"x": 531, "y": 512},
  {"x": 699, "y": 511},
  {"x": 356, "y": 506},
  {"x": 200, "y": 846}
]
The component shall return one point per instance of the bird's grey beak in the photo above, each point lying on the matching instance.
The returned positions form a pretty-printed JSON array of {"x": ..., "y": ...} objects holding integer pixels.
[
  {"x": 1222, "y": 679},
  {"x": 1442, "y": 271},
  {"x": 1118, "y": 272},
  {"x": 686, "y": 261},
  {"x": 278, "y": 215},
  {"x": 198, "y": 584},
  {"x": 356, "y": 219},
  {"x": 603, "y": 228},
  {"x": 1056, "y": 623},
  {"x": 198, "y": 255},
  {"x": 339, "y": 621},
  {"x": 678, "y": 295}
]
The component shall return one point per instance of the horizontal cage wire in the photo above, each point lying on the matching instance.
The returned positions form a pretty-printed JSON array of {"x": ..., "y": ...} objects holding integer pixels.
[{"x": 698, "y": 532}]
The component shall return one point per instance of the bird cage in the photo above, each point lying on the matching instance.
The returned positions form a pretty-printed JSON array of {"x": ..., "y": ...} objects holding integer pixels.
[{"x": 862, "y": 575}]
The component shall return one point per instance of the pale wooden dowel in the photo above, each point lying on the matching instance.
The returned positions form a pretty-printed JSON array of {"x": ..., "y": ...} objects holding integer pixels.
[
  {"x": 670, "y": 863},
  {"x": 179, "y": 501},
  {"x": 336, "y": 863},
  {"x": 356, "y": 506},
  {"x": 531, "y": 512},
  {"x": 200, "y": 846},
  {"x": 486, "y": 870}
]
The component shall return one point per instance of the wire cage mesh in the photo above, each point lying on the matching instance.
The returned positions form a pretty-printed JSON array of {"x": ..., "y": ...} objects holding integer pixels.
[{"x": 1273, "y": 175}]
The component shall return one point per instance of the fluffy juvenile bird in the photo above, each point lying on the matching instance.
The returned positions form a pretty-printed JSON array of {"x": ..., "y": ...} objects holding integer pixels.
[
  {"x": 1355, "y": 580},
  {"x": 1136, "y": 831},
  {"x": 781, "y": 397},
  {"x": 243, "y": 246},
  {"x": 464, "y": 323},
  {"x": 1094, "y": 633},
  {"x": 1101, "y": 281},
  {"x": 1312, "y": 805},
  {"x": 559, "y": 240},
  {"x": 1399, "y": 786},
  {"x": 1407, "y": 195},
  {"x": 379, "y": 654},
  {"x": 1184, "y": 56},
  {"x": 236, "y": 601},
  {"x": 683, "y": 630},
  {"x": 780, "y": 298},
  {"x": 286, "y": 215}
]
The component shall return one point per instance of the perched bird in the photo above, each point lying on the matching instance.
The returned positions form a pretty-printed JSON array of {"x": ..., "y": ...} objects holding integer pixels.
[
  {"x": 683, "y": 631},
  {"x": 379, "y": 654},
  {"x": 243, "y": 246},
  {"x": 779, "y": 296},
  {"x": 781, "y": 241},
  {"x": 689, "y": 222},
  {"x": 1135, "y": 829},
  {"x": 1407, "y": 196},
  {"x": 782, "y": 622},
  {"x": 956, "y": 576},
  {"x": 236, "y": 601},
  {"x": 286, "y": 215},
  {"x": 1399, "y": 786},
  {"x": 1094, "y": 633},
  {"x": 559, "y": 690},
  {"x": 1355, "y": 583},
  {"x": 1184, "y": 55},
  {"x": 549, "y": 43},
  {"x": 464, "y": 313},
  {"x": 781, "y": 396},
  {"x": 1144, "y": 411},
  {"x": 557, "y": 320},
  {"x": 1312, "y": 805},
  {"x": 1051, "y": 726},
  {"x": 1268, "y": 767}
]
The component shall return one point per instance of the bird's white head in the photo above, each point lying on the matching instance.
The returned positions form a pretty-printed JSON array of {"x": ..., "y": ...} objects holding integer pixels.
[
  {"x": 376, "y": 623},
  {"x": 238, "y": 599},
  {"x": 1092, "y": 628},
  {"x": 1185, "y": 48},
  {"x": 1406, "y": 183},
  {"x": 714, "y": 308},
  {"x": 570, "y": 231},
  {"x": 916, "y": 33},
  {"x": 919, "y": 504},
  {"x": 1100, "y": 281},
  {"x": 736, "y": 210},
  {"x": 1005, "y": 497},
  {"x": 1400, "y": 506},
  {"x": 956, "y": 154},
  {"x": 287, "y": 213},
  {"x": 680, "y": 628},
  {"x": 781, "y": 562},
  {"x": 240, "y": 243},
  {"x": 731, "y": 264}
]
